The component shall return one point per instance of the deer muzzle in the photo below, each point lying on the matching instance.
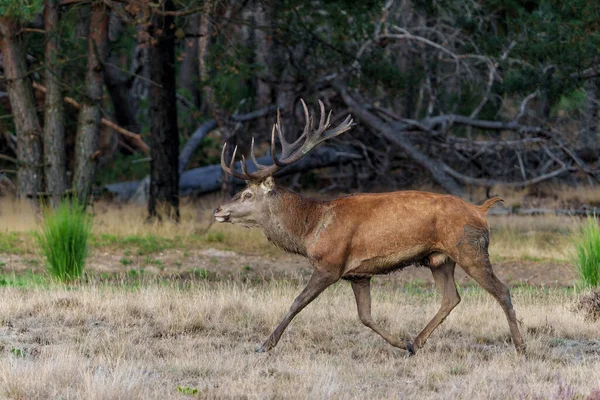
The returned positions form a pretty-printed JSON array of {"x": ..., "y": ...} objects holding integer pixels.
[{"x": 220, "y": 215}]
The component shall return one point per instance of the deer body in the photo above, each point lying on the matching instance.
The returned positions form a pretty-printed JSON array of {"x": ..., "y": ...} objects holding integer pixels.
[{"x": 358, "y": 236}]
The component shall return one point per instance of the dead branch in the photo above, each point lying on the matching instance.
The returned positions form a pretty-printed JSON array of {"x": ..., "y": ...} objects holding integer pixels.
[
  {"x": 490, "y": 182},
  {"x": 204, "y": 129},
  {"x": 435, "y": 168},
  {"x": 134, "y": 136}
]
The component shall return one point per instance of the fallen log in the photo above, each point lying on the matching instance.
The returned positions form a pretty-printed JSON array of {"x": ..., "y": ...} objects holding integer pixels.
[
  {"x": 543, "y": 211},
  {"x": 208, "y": 179},
  {"x": 204, "y": 129}
]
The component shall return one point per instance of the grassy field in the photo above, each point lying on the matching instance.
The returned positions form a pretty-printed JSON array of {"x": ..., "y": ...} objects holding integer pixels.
[
  {"x": 157, "y": 317},
  {"x": 169, "y": 342}
]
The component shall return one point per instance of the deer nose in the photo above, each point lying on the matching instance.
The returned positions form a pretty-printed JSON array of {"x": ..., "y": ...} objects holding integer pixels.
[{"x": 217, "y": 210}]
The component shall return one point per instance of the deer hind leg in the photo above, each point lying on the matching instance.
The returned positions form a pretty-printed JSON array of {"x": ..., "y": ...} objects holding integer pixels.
[
  {"x": 362, "y": 293},
  {"x": 319, "y": 281},
  {"x": 444, "y": 280},
  {"x": 473, "y": 257}
]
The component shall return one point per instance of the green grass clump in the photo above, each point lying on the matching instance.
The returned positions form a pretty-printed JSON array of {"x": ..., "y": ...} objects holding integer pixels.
[
  {"x": 64, "y": 240},
  {"x": 587, "y": 252}
]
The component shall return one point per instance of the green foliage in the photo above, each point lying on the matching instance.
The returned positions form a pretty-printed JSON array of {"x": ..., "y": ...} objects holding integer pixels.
[
  {"x": 232, "y": 72},
  {"x": 25, "y": 280},
  {"x": 145, "y": 244},
  {"x": 125, "y": 261},
  {"x": 18, "y": 352},
  {"x": 200, "y": 273},
  {"x": 10, "y": 243},
  {"x": 21, "y": 10},
  {"x": 64, "y": 240},
  {"x": 187, "y": 391},
  {"x": 571, "y": 101},
  {"x": 587, "y": 252},
  {"x": 215, "y": 237},
  {"x": 123, "y": 167}
]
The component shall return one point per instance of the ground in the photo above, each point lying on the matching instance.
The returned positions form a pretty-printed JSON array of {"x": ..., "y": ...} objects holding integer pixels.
[
  {"x": 160, "y": 342},
  {"x": 168, "y": 311}
]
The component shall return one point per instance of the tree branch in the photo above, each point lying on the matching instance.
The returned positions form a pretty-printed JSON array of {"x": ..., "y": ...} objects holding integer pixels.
[
  {"x": 134, "y": 136},
  {"x": 490, "y": 182},
  {"x": 204, "y": 129}
]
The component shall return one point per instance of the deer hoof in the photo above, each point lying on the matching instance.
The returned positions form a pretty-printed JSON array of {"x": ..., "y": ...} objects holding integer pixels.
[{"x": 410, "y": 348}]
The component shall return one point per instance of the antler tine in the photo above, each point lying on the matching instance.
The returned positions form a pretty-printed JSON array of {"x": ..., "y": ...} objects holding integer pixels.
[
  {"x": 258, "y": 174},
  {"x": 258, "y": 165},
  {"x": 322, "y": 117},
  {"x": 231, "y": 168},
  {"x": 314, "y": 136},
  {"x": 290, "y": 152},
  {"x": 341, "y": 128},
  {"x": 244, "y": 171}
]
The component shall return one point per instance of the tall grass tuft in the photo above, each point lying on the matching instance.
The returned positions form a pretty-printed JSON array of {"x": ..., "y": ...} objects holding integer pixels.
[
  {"x": 587, "y": 252},
  {"x": 64, "y": 239}
]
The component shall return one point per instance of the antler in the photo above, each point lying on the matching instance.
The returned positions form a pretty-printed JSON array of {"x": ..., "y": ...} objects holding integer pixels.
[{"x": 290, "y": 152}]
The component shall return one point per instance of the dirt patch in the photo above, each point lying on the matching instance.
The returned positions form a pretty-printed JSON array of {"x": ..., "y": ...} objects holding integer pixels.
[{"x": 224, "y": 264}]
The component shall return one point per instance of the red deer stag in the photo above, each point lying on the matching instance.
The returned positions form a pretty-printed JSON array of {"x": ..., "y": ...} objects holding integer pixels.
[{"x": 358, "y": 236}]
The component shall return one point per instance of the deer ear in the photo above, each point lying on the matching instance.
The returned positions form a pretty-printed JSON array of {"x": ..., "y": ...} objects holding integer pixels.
[{"x": 268, "y": 185}]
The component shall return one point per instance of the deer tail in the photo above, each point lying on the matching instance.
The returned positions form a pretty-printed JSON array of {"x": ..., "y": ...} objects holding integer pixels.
[{"x": 489, "y": 203}]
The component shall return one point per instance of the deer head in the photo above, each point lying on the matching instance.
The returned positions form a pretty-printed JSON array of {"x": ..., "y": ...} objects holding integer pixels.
[{"x": 251, "y": 206}]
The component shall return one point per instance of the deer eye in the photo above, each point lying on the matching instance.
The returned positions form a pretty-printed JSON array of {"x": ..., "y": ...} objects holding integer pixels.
[{"x": 247, "y": 196}]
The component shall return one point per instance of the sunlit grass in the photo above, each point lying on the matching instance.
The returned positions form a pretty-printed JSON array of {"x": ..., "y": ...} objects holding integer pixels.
[
  {"x": 539, "y": 238},
  {"x": 163, "y": 341},
  {"x": 586, "y": 255},
  {"x": 63, "y": 239},
  {"x": 125, "y": 226}
]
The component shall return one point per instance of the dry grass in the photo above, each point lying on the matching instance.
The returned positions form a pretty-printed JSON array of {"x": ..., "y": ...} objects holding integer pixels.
[
  {"x": 538, "y": 238},
  {"x": 107, "y": 342},
  {"x": 545, "y": 195},
  {"x": 130, "y": 220}
]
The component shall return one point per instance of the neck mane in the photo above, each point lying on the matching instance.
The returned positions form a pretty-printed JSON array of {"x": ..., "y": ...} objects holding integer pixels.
[{"x": 291, "y": 218}]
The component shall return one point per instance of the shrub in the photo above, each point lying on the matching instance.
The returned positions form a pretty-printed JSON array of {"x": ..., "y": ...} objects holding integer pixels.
[
  {"x": 589, "y": 305},
  {"x": 587, "y": 252},
  {"x": 64, "y": 239}
]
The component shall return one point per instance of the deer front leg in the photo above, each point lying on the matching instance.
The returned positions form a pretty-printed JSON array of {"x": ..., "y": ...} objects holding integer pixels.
[
  {"x": 319, "y": 281},
  {"x": 362, "y": 293}
]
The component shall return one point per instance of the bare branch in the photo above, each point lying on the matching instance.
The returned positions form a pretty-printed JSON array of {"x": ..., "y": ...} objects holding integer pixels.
[
  {"x": 523, "y": 107},
  {"x": 134, "y": 136},
  {"x": 490, "y": 182}
]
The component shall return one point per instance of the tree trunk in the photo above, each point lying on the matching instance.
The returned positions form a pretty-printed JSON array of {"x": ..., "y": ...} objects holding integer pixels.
[
  {"x": 88, "y": 126},
  {"x": 118, "y": 81},
  {"x": 164, "y": 166},
  {"x": 27, "y": 125},
  {"x": 188, "y": 74},
  {"x": 54, "y": 129},
  {"x": 263, "y": 19},
  {"x": 588, "y": 136},
  {"x": 203, "y": 42}
]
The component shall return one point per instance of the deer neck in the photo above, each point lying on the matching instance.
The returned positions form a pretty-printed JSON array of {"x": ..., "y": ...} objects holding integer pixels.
[{"x": 291, "y": 218}]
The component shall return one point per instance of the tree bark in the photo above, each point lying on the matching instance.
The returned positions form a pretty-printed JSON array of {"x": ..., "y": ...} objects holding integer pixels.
[
  {"x": 27, "y": 125},
  {"x": 88, "y": 126},
  {"x": 164, "y": 166},
  {"x": 207, "y": 100},
  {"x": 54, "y": 129},
  {"x": 263, "y": 15},
  {"x": 188, "y": 74},
  {"x": 588, "y": 136},
  {"x": 118, "y": 81}
]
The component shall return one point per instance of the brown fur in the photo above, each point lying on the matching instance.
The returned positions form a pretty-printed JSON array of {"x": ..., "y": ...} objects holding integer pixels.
[{"x": 356, "y": 237}]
